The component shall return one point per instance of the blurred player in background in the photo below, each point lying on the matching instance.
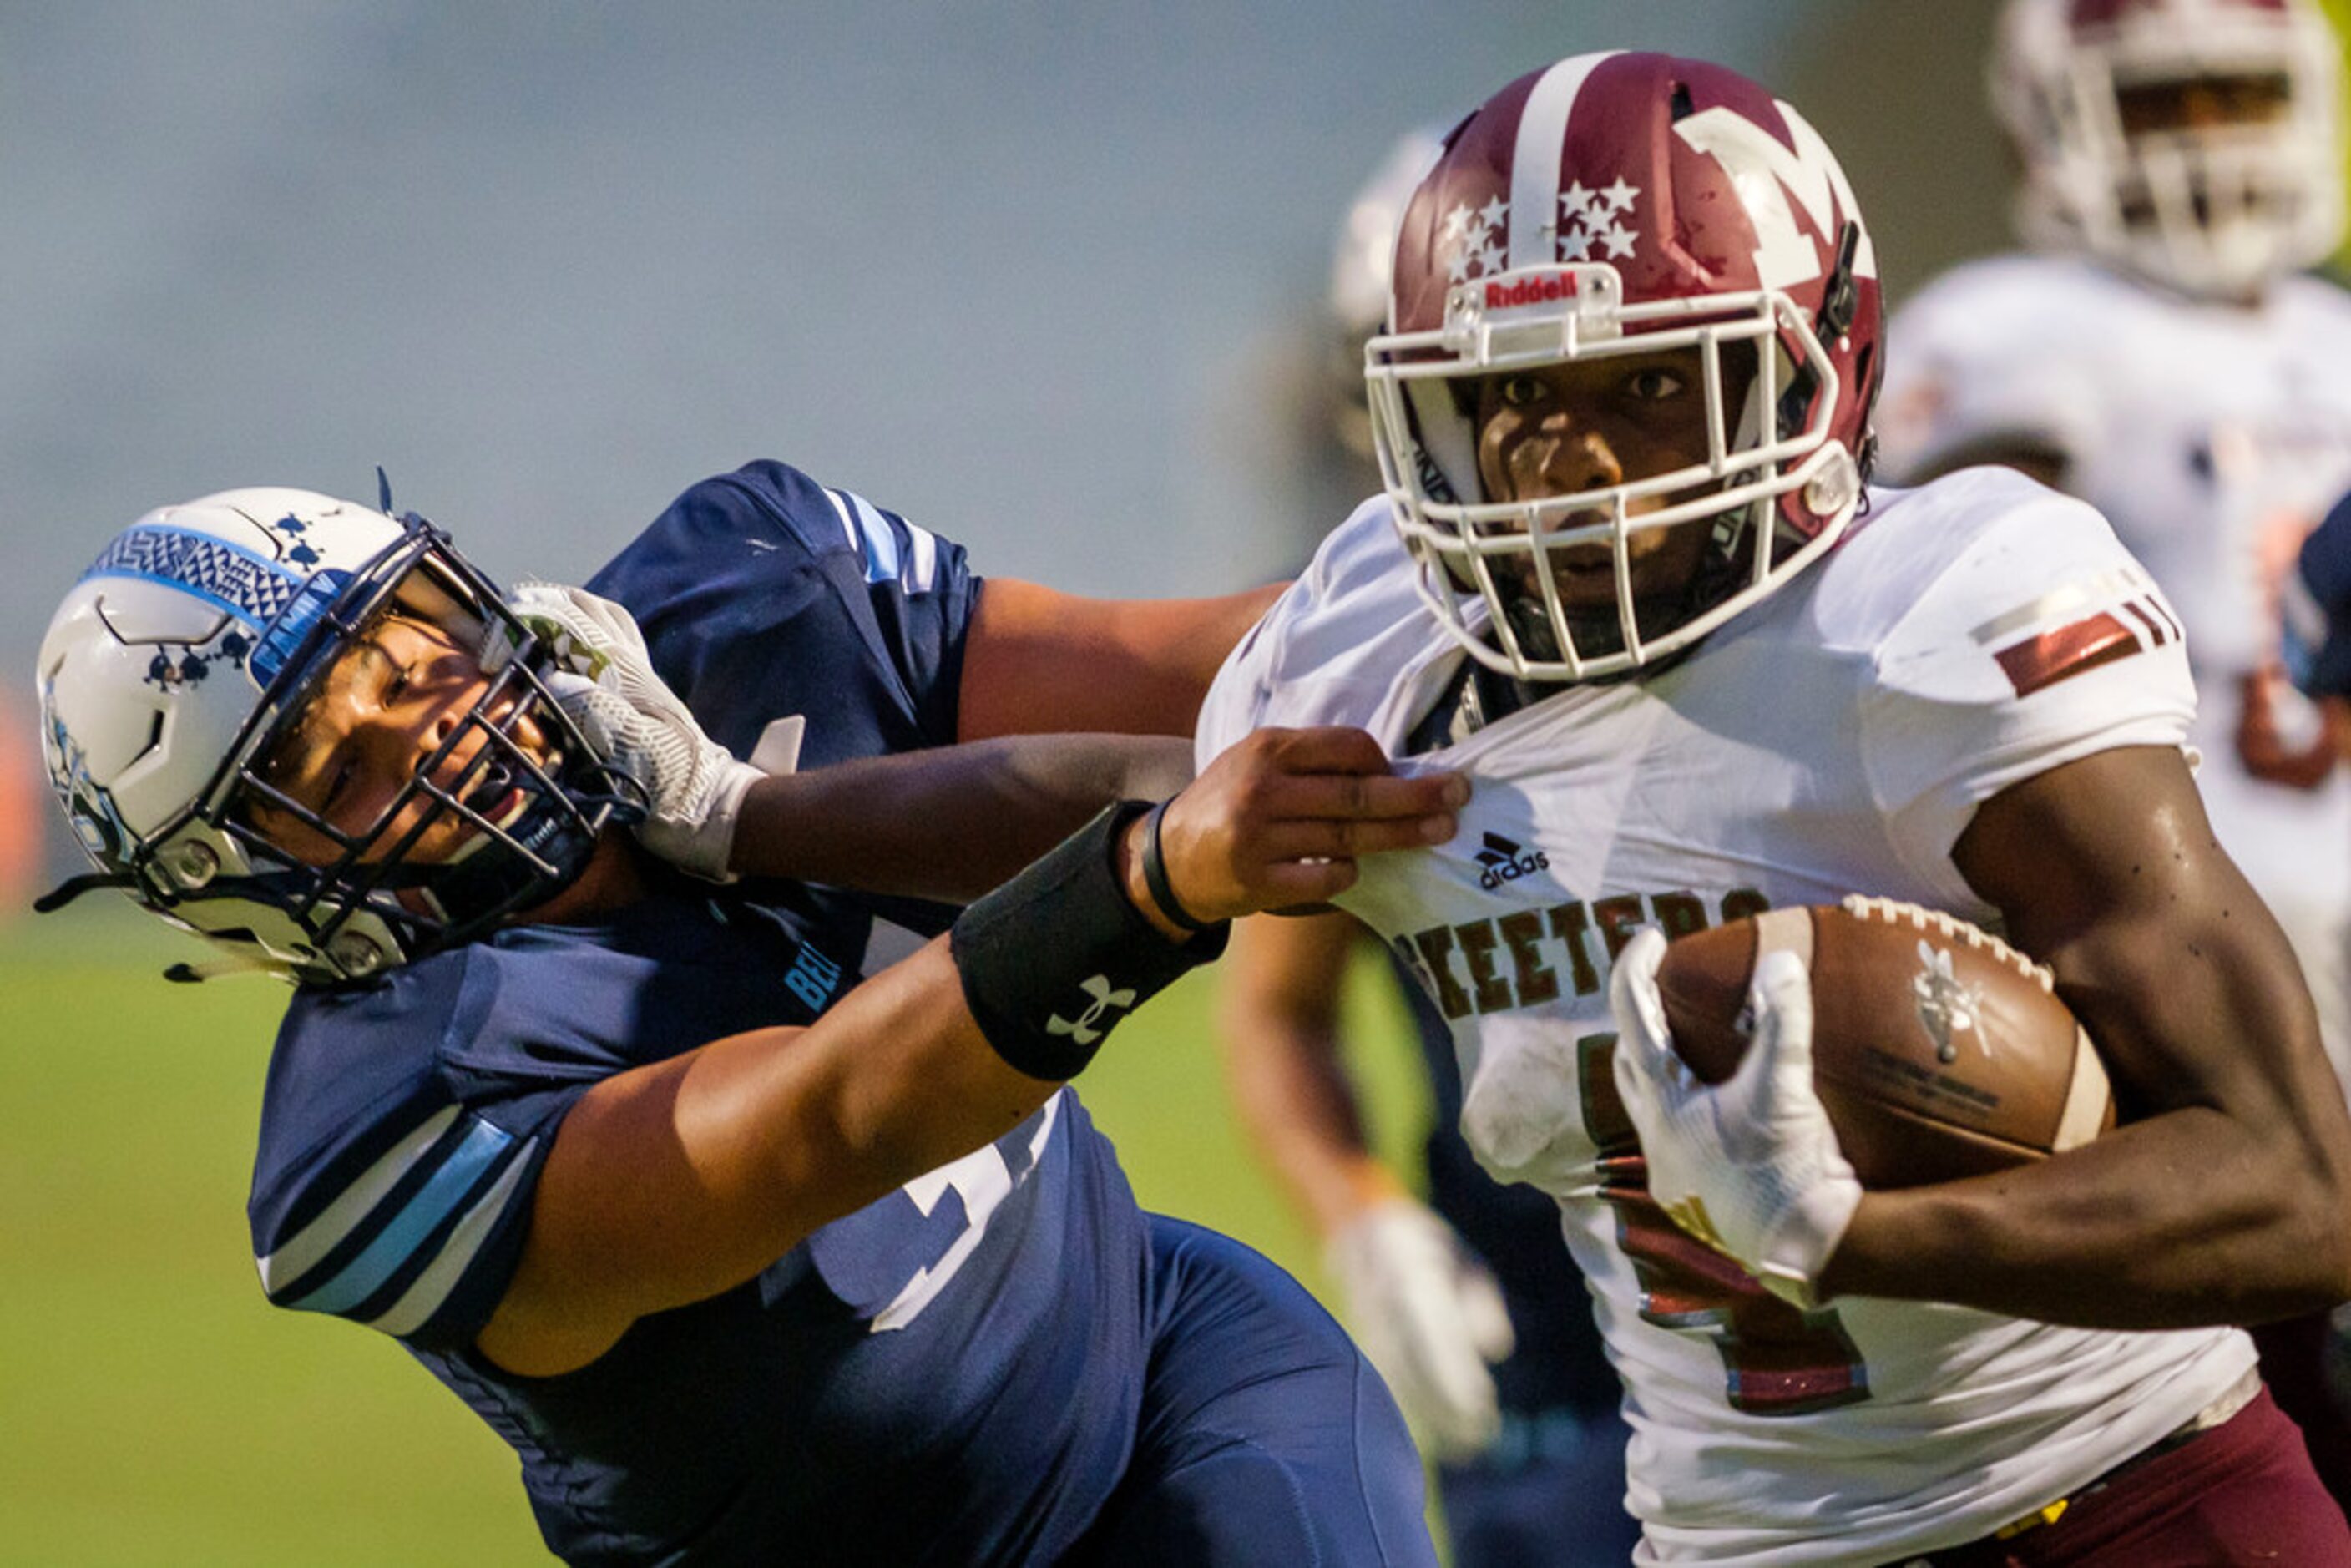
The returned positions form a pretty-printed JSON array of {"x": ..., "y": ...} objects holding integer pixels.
[
  {"x": 1466, "y": 1304},
  {"x": 1629, "y": 575},
  {"x": 20, "y": 823},
  {"x": 2318, "y": 612},
  {"x": 2157, "y": 353},
  {"x": 753, "y": 1244}
]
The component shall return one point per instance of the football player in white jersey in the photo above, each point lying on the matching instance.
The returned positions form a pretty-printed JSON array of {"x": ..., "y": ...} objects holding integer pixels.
[
  {"x": 2157, "y": 351},
  {"x": 1629, "y": 574}
]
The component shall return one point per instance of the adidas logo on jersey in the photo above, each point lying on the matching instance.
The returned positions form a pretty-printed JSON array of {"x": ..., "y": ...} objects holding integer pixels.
[{"x": 1505, "y": 861}]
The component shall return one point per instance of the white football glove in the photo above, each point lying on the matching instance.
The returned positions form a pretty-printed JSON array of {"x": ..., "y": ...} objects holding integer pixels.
[
  {"x": 1430, "y": 1318},
  {"x": 601, "y": 677},
  {"x": 1751, "y": 1166}
]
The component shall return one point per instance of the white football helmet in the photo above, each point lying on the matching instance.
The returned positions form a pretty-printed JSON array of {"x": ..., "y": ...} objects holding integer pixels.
[
  {"x": 1363, "y": 264},
  {"x": 186, "y": 652},
  {"x": 2214, "y": 210},
  {"x": 1610, "y": 206}
]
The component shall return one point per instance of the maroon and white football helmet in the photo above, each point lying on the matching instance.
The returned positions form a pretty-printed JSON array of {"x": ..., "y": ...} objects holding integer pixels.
[
  {"x": 2214, "y": 210},
  {"x": 1615, "y": 204}
]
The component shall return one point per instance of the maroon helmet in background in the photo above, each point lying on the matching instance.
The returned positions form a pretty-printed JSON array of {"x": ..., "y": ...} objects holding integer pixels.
[
  {"x": 1615, "y": 205},
  {"x": 2213, "y": 196}
]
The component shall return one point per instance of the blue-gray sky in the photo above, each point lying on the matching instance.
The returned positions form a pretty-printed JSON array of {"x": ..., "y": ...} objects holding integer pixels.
[
  {"x": 991, "y": 264},
  {"x": 1009, "y": 268}
]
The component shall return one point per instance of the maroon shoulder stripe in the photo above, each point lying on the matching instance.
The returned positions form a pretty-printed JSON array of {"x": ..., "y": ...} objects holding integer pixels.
[{"x": 2068, "y": 650}]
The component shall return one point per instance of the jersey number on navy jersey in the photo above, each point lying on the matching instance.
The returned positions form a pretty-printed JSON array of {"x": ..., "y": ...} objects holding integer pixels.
[{"x": 888, "y": 1264}]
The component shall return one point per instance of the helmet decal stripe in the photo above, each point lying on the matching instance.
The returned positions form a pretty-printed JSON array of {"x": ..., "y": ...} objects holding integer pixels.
[
  {"x": 1535, "y": 161},
  {"x": 250, "y": 587},
  {"x": 285, "y": 635}
]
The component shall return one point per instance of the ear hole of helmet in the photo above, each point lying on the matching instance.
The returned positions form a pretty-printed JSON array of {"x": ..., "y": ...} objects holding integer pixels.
[{"x": 1840, "y": 302}]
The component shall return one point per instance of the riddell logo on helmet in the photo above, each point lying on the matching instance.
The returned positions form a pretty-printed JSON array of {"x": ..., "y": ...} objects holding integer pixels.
[{"x": 1531, "y": 290}]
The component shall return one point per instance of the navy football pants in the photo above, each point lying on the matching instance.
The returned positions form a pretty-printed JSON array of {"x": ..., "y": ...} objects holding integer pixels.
[
  {"x": 1266, "y": 1437},
  {"x": 1550, "y": 1494}
]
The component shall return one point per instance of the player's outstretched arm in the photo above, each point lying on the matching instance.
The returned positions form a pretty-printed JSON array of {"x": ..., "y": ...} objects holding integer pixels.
[
  {"x": 2222, "y": 1198},
  {"x": 673, "y": 1182},
  {"x": 950, "y": 823},
  {"x": 1041, "y": 662}
]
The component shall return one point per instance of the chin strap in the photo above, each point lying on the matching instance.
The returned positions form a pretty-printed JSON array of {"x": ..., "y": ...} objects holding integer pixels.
[
  {"x": 73, "y": 887},
  {"x": 195, "y": 973}
]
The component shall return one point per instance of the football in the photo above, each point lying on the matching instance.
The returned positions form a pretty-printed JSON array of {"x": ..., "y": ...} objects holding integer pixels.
[{"x": 1939, "y": 1051}]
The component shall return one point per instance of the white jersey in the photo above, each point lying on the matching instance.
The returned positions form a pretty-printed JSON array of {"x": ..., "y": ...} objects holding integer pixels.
[
  {"x": 1835, "y": 739},
  {"x": 2213, "y": 438}
]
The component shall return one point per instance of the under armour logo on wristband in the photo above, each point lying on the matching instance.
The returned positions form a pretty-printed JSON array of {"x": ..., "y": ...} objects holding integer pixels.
[{"x": 1084, "y": 1031}]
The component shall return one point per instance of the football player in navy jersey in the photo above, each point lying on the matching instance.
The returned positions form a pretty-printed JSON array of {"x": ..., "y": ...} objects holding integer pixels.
[{"x": 750, "y": 1246}]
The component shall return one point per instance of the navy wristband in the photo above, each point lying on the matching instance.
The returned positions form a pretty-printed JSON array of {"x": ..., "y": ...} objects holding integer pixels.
[{"x": 1054, "y": 958}]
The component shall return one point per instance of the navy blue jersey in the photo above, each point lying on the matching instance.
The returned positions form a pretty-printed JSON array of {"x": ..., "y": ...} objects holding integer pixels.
[
  {"x": 764, "y": 595},
  {"x": 2318, "y": 619},
  {"x": 951, "y": 1375}
]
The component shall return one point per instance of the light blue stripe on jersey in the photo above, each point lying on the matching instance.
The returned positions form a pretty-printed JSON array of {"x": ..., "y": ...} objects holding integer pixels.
[
  {"x": 482, "y": 1148},
  {"x": 871, "y": 535},
  {"x": 430, "y": 1289},
  {"x": 294, "y": 1256}
]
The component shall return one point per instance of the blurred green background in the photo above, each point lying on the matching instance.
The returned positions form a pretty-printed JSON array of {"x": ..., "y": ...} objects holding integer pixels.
[{"x": 154, "y": 1409}]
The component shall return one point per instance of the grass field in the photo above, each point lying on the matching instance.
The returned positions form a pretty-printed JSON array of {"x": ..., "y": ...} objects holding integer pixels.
[{"x": 155, "y": 1410}]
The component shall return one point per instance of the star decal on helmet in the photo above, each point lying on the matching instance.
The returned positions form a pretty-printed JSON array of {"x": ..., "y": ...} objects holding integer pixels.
[
  {"x": 1588, "y": 229},
  {"x": 1470, "y": 242},
  {"x": 1594, "y": 225}
]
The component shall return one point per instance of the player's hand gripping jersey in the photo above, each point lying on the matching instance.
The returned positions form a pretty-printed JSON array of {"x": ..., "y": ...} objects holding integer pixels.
[
  {"x": 2214, "y": 437},
  {"x": 1835, "y": 739},
  {"x": 983, "y": 1327}
]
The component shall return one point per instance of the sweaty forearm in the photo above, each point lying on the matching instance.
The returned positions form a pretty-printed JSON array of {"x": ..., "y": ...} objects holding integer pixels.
[
  {"x": 2184, "y": 1218},
  {"x": 2223, "y": 1195},
  {"x": 678, "y": 1178},
  {"x": 947, "y": 823}
]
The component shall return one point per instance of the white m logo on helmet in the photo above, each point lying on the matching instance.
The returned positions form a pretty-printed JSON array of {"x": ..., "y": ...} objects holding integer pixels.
[{"x": 1767, "y": 173}]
